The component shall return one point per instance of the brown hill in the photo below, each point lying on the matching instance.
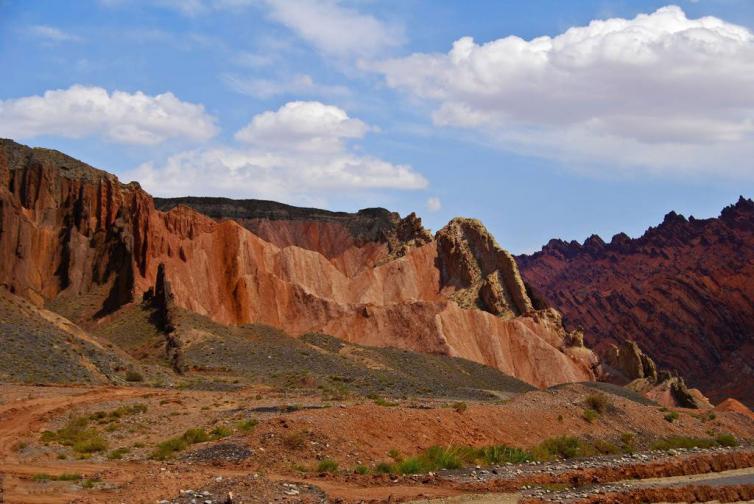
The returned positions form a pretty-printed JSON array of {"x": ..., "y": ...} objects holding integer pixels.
[
  {"x": 684, "y": 291},
  {"x": 75, "y": 239}
]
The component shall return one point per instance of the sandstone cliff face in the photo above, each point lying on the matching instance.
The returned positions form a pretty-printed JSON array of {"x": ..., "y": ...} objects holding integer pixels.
[
  {"x": 683, "y": 291},
  {"x": 69, "y": 230}
]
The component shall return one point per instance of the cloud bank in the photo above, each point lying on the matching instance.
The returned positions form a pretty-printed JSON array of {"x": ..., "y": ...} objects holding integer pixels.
[
  {"x": 659, "y": 91},
  {"x": 297, "y": 153},
  {"x": 121, "y": 117}
]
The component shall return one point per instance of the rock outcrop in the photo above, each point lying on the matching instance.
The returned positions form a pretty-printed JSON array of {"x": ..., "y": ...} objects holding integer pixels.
[
  {"x": 683, "y": 291},
  {"x": 70, "y": 232}
]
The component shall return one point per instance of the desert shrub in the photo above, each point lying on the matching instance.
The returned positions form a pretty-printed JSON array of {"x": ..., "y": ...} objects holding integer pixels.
[
  {"x": 294, "y": 441},
  {"x": 247, "y": 425},
  {"x": 627, "y": 442},
  {"x": 384, "y": 402},
  {"x": 502, "y": 454},
  {"x": 395, "y": 455},
  {"x": 327, "y": 466},
  {"x": 565, "y": 447},
  {"x": 361, "y": 469},
  {"x": 726, "y": 440},
  {"x": 443, "y": 457},
  {"x": 460, "y": 407},
  {"x": 412, "y": 465},
  {"x": 597, "y": 402},
  {"x": 171, "y": 446},
  {"x": 134, "y": 376},
  {"x": 192, "y": 436},
  {"x": 675, "y": 442},
  {"x": 384, "y": 468},
  {"x": 671, "y": 417},
  {"x": 78, "y": 435},
  {"x": 590, "y": 415},
  {"x": 220, "y": 432},
  {"x": 117, "y": 454},
  {"x": 605, "y": 447},
  {"x": 62, "y": 477}
]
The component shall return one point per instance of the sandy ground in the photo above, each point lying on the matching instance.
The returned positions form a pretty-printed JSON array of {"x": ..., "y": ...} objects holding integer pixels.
[{"x": 293, "y": 433}]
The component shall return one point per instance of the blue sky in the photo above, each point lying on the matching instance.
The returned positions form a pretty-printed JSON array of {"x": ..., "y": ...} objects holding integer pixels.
[{"x": 595, "y": 128}]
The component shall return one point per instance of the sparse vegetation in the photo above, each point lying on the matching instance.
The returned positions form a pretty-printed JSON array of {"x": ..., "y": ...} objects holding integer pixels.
[
  {"x": 628, "y": 442},
  {"x": 384, "y": 402},
  {"x": 294, "y": 441},
  {"x": 460, "y": 407},
  {"x": 676, "y": 442},
  {"x": 62, "y": 477},
  {"x": 327, "y": 466},
  {"x": 171, "y": 446},
  {"x": 134, "y": 376},
  {"x": 361, "y": 469},
  {"x": 565, "y": 447},
  {"x": 672, "y": 416},
  {"x": 220, "y": 432},
  {"x": 597, "y": 402},
  {"x": 247, "y": 425},
  {"x": 590, "y": 415},
  {"x": 78, "y": 435},
  {"x": 728, "y": 440},
  {"x": 117, "y": 454}
]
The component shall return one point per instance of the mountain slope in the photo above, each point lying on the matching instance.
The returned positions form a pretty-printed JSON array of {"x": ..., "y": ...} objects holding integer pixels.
[
  {"x": 71, "y": 233},
  {"x": 684, "y": 291}
]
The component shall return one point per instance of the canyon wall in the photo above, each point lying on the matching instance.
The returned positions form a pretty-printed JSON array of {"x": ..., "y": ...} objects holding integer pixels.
[
  {"x": 74, "y": 235},
  {"x": 684, "y": 291}
]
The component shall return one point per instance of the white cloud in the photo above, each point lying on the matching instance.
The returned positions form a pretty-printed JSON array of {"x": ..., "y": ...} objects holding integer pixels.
[
  {"x": 660, "y": 91},
  {"x": 80, "y": 111},
  {"x": 297, "y": 153},
  {"x": 301, "y": 84},
  {"x": 434, "y": 204},
  {"x": 303, "y": 126},
  {"x": 52, "y": 34},
  {"x": 335, "y": 30}
]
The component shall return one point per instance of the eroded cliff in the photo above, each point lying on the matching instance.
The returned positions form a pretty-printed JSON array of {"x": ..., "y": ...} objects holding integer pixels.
[
  {"x": 71, "y": 233},
  {"x": 684, "y": 291}
]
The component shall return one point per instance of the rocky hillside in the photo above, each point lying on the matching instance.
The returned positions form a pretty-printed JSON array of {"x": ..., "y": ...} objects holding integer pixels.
[
  {"x": 684, "y": 291},
  {"x": 75, "y": 239}
]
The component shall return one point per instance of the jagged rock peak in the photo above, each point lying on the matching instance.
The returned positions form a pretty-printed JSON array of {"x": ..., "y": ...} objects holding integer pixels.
[{"x": 483, "y": 273}]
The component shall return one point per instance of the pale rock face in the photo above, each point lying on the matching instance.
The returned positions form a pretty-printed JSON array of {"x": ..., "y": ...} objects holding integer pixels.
[{"x": 370, "y": 278}]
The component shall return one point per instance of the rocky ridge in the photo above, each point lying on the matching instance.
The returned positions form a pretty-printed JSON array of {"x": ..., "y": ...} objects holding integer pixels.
[
  {"x": 69, "y": 232},
  {"x": 682, "y": 291}
]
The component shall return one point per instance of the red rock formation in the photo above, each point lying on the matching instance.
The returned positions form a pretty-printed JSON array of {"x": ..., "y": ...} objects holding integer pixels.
[
  {"x": 69, "y": 230},
  {"x": 684, "y": 291}
]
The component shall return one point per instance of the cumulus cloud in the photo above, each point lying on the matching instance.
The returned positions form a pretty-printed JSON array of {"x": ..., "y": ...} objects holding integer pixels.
[
  {"x": 130, "y": 118},
  {"x": 334, "y": 29},
  {"x": 434, "y": 204},
  {"x": 52, "y": 34},
  {"x": 296, "y": 153},
  {"x": 660, "y": 91}
]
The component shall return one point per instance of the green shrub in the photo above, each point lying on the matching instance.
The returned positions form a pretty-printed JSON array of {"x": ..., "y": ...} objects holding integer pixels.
[
  {"x": 395, "y": 455},
  {"x": 565, "y": 447},
  {"x": 247, "y": 425},
  {"x": 193, "y": 436},
  {"x": 627, "y": 442},
  {"x": 220, "y": 432},
  {"x": 726, "y": 440},
  {"x": 597, "y": 402},
  {"x": 134, "y": 376},
  {"x": 672, "y": 416},
  {"x": 590, "y": 415},
  {"x": 460, "y": 407},
  {"x": 327, "y": 466},
  {"x": 384, "y": 468},
  {"x": 604, "y": 447},
  {"x": 62, "y": 477},
  {"x": 77, "y": 434},
  {"x": 361, "y": 469},
  {"x": 383, "y": 402},
  {"x": 413, "y": 465},
  {"x": 675, "y": 442},
  {"x": 117, "y": 454},
  {"x": 441, "y": 457},
  {"x": 502, "y": 454},
  {"x": 168, "y": 448}
]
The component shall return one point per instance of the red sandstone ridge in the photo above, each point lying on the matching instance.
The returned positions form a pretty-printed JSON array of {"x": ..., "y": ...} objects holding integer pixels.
[
  {"x": 684, "y": 291},
  {"x": 70, "y": 231}
]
